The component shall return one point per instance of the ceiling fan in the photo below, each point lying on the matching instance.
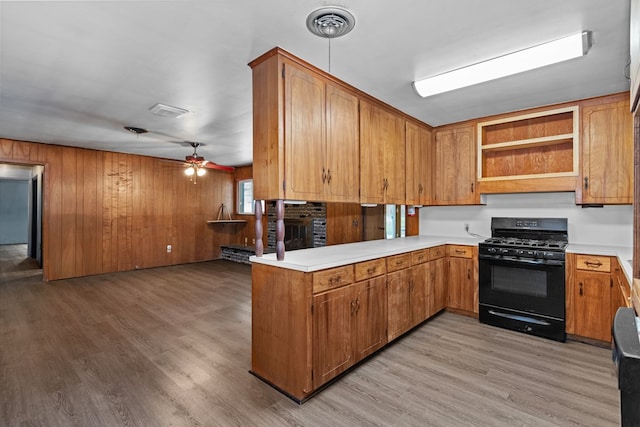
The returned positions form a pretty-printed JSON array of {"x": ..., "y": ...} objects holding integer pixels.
[{"x": 197, "y": 165}]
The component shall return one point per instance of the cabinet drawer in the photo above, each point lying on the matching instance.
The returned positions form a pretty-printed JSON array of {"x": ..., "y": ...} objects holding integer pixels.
[
  {"x": 368, "y": 269},
  {"x": 332, "y": 278},
  {"x": 398, "y": 262},
  {"x": 437, "y": 252},
  {"x": 593, "y": 263},
  {"x": 459, "y": 251},
  {"x": 418, "y": 257}
]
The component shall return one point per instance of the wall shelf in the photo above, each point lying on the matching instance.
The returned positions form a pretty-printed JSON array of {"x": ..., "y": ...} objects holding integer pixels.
[{"x": 221, "y": 217}]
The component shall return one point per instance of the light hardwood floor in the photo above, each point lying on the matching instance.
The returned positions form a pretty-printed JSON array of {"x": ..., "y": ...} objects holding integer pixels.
[{"x": 172, "y": 346}]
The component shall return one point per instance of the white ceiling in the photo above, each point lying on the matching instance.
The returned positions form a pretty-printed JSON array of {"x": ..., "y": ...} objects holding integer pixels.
[{"x": 74, "y": 73}]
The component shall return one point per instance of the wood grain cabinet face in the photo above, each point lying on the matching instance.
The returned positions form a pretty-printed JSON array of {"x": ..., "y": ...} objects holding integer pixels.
[
  {"x": 437, "y": 286},
  {"x": 592, "y": 305},
  {"x": 454, "y": 169},
  {"x": 305, "y": 132},
  {"x": 418, "y": 159},
  {"x": 382, "y": 159},
  {"x": 332, "y": 334},
  {"x": 408, "y": 298},
  {"x": 321, "y": 139},
  {"x": 607, "y": 154},
  {"x": 595, "y": 290},
  {"x": 349, "y": 324},
  {"x": 462, "y": 271}
]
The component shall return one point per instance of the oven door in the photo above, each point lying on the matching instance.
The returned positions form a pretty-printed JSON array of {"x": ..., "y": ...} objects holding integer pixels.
[{"x": 524, "y": 285}]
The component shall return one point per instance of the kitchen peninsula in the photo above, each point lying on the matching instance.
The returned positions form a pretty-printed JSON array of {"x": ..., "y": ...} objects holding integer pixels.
[{"x": 322, "y": 310}]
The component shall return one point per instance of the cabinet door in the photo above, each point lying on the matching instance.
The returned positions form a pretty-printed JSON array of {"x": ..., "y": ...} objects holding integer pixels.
[
  {"x": 437, "y": 284},
  {"x": 418, "y": 281},
  {"x": 461, "y": 284},
  {"x": 372, "y": 179},
  {"x": 343, "y": 146},
  {"x": 418, "y": 158},
  {"x": 382, "y": 159},
  {"x": 304, "y": 134},
  {"x": 332, "y": 333},
  {"x": 399, "y": 303},
  {"x": 371, "y": 316},
  {"x": 344, "y": 223},
  {"x": 394, "y": 159},
  {"x": 607, "y": 154},
  {"x": 592, "y": 305},
  {"x": 455, "y": 166}
]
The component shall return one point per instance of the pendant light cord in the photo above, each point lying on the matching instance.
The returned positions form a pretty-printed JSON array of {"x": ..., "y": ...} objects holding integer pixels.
[{"x": 329, "y": 55}]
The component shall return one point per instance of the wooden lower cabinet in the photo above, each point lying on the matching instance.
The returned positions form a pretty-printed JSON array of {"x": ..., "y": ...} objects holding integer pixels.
[
  {"x": 349, "y": 323},
  {"x": 407, "y": 299},
  {"x": 309, "y": 327},
  {"x": 462, "y": 272},
  {"x": 595, "y": 289},
  {"x": 592, "y": 305}
]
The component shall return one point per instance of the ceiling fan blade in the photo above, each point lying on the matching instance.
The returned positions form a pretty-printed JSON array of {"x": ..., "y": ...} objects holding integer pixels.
[{"x": 210, "y": 165}]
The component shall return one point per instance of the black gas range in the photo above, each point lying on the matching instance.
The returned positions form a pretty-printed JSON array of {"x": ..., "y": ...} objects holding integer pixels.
[{"x": 522, "y": 275}]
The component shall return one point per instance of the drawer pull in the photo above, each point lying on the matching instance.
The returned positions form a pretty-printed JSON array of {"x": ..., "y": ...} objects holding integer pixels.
[
  {"x": 593, "y": 263},
  {"x": 371, "y": 270},
  {"x": 460, "y": 251}
]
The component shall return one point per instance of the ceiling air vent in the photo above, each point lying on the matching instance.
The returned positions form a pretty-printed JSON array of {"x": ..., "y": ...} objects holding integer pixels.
[
  {"x": 330, "y": 22},
  {"x": 167, "y": 110}
]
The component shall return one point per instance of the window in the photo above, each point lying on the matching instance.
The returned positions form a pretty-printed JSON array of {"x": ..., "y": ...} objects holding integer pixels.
[{"x": 245, "y": 197}]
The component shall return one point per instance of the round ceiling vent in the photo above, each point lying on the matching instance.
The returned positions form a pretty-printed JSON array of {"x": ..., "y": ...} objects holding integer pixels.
[{"x": 330, "y": 22}]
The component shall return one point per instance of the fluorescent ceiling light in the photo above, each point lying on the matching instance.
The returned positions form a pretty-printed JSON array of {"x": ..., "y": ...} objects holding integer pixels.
[{"x": 570, "y": 47}]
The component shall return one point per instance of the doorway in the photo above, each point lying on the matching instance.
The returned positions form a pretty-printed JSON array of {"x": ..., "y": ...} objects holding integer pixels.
[{"x": 20, "y": 220}]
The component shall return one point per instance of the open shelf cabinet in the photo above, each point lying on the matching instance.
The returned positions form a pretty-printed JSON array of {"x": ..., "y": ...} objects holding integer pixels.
[{"x": 544, "y": 144}]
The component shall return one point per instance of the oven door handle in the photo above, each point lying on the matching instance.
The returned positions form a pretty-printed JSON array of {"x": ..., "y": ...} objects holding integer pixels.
[{"x": 519, "y": 318}]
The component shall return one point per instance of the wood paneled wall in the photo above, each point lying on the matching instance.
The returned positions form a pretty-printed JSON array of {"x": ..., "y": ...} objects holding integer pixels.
[{"x": 107, "y": 212}]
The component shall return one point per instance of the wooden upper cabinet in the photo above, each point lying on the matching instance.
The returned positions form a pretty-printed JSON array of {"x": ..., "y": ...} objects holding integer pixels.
[
  {"x": 607, "y": 154},
  {"x": 418, "y": 158},
  {"x": 321, "y": 138},
  {"x": 342, "y": 146},
  {"x": 454, "y": 169},
  {"x": 305, "y": 132},
  {"x": 382, "y": 157}
]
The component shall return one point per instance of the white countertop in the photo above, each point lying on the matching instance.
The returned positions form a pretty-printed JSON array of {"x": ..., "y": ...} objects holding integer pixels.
[{"x": 315, "y": 259}]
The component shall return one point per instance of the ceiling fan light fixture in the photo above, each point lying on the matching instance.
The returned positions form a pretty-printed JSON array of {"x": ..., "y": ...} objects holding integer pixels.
[
  {"x": 330, "y": 22},
  {"x": 200, "y": 171},
  {"x": 135, "y": 130},
  {"x": 189, "y": 171},
  {"x": 573, "y": 46}
]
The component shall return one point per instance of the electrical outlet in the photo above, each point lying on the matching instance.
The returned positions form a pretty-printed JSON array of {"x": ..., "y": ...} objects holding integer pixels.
[
  {"x": 466, "y": 227},
  {"x": 168, "y": 249}
]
